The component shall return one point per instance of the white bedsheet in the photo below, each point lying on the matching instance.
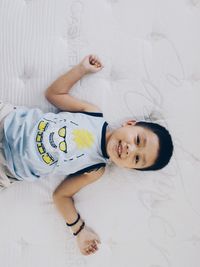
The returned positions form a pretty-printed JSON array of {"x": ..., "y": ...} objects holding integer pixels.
[{"x": 150, "y": 50}]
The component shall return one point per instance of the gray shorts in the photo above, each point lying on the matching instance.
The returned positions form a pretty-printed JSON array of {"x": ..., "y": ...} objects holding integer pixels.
[{"x": 5, "y": 174}]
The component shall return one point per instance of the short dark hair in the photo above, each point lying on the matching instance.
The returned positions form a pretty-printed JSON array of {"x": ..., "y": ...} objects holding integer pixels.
[{"x": 165, "y": 145}]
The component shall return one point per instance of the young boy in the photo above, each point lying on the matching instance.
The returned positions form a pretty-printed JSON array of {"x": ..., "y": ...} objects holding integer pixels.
[{"x": 75, "y": 142}]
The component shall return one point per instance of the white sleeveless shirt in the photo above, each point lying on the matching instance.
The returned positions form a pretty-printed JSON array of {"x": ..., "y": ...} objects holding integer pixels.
[{"x": 37, "y": 144}]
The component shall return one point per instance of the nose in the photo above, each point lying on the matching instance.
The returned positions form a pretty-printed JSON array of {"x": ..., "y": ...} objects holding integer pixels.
[{"x": 129, "y": 149}]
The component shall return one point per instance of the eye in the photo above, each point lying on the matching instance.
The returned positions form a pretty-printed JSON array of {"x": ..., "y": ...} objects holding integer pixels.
[
  {"x": 137, "y": 158},
  {"x": 138, "y": 140}
]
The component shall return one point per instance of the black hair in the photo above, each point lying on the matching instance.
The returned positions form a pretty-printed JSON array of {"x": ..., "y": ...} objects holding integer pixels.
[{"x": 165, "y": 145}]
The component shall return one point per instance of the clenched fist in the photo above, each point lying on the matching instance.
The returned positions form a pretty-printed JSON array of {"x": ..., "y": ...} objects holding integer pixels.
[{"x": 91, "y": 64}]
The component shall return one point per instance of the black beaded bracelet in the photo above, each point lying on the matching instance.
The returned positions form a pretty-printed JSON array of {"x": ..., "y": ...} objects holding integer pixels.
[
  {"x": 81, "y": 228},
  {"x": 71, "y": 224}
]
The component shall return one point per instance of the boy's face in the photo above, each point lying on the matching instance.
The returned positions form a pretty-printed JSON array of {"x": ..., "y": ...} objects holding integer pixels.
[{"x": 132, "y": 146}]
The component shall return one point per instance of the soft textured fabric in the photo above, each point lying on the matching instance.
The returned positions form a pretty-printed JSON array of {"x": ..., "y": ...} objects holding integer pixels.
[
  {"x": 37, "y": 144},
  {"x": 150, "y": 53}
]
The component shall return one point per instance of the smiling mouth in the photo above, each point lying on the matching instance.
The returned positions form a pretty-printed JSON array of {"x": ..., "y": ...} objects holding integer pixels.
[{"x": 119, "y": 149}]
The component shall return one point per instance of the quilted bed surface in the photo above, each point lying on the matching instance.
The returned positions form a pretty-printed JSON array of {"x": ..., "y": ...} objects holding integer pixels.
[{"x": 150, "y": 49}]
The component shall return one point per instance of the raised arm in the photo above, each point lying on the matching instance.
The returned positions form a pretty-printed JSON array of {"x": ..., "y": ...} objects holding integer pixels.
[
  {"x": 87, "y": 240},
  {"x": 57, "y": 93}
]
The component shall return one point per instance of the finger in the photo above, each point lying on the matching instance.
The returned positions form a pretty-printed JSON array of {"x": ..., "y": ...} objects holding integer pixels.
[
  {"x": 99, "y": 65},
  {"x": 99, "y": 61},
  {"x": 90, "y": 247},
  {"x": 95, "y": 59},
  {"x": 92, "y": 250},
  {"x": 88, "y": 251},
  {"x": 97, "y": 241},
  {"x": 91, "y": 59},
  {"x": 94, "y": 246}
]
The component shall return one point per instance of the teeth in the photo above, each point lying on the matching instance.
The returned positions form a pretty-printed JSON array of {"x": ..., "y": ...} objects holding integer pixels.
[{"x": 119, "y": 149}]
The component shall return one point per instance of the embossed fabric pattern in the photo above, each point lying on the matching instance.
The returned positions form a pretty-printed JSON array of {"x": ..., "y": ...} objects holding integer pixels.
[{"x": 150, "y": 51}]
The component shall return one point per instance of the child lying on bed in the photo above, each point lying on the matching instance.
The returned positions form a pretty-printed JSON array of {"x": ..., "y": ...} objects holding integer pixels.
[{"x": 76, "y": 142}]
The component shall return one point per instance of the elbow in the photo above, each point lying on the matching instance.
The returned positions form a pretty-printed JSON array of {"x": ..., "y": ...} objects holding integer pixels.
[
  {"x": 59, "y": 194},
  {"x": 50, "y": 92},
  {"x": 50, "y": 96}
]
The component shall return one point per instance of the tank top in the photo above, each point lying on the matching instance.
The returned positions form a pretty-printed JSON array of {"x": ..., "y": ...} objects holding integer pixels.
[{"x": 38, "y": 144}]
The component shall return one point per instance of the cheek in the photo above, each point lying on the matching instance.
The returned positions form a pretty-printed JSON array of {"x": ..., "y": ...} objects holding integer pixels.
[
  {"x": 121, "y": 133},
  {"x": 124, "y": 163}
]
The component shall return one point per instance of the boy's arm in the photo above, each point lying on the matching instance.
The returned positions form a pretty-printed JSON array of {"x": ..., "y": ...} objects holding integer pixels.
[
  {"x": 57, "y": 93},
  {"x": 87, "y": 239}
]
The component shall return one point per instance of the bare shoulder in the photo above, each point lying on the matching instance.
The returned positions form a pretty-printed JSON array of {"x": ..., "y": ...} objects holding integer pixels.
[{"x": 95, "y": 174}]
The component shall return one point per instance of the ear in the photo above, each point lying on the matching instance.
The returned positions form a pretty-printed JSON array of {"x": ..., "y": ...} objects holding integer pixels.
[{"x": 130, "y": 122}]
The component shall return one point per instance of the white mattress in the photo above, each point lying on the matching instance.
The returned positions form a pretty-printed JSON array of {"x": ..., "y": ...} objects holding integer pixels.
[{"x": 150, "y": 50}]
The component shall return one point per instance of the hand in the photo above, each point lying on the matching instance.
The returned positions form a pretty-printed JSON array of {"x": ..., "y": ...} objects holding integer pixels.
[
  {"x": 91, "y": 64},
  {"x": 87, "y": 241}
]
